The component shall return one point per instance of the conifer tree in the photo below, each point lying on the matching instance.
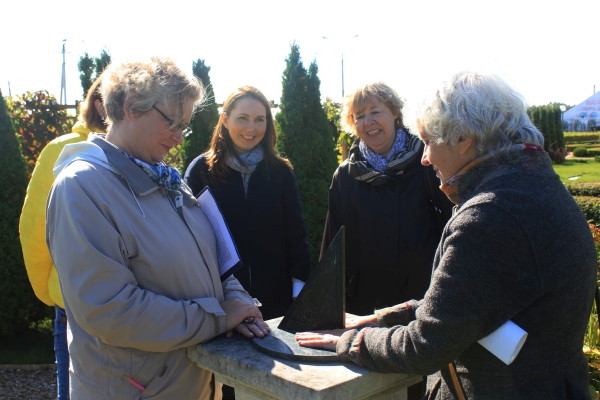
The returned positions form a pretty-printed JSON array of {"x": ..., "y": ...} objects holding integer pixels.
[
  {"x": 203, "y": 122},
  {"x": 86, "y": 66},
  {"x": 543, "y": 127},
  {"x": 102, "y": 62},
  {"x": 307, "y": 139},
  {"x": 20, "y": 307},
  {"x": 552, "y": 137},
  {"x": 560, "y": 133}
]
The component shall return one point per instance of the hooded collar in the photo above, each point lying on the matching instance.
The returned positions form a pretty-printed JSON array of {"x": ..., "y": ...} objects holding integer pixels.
[{"x": 139, "y": 181}]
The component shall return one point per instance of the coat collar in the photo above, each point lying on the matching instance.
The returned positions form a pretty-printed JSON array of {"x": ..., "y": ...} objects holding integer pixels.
[{"x": 139, "y": 181}]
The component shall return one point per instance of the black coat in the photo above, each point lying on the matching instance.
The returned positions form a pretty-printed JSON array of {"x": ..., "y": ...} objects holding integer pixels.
[
  {"x": 267, "y": 227},
  {"x": 392, "y": 232},
  {"x": 518, "y": 249}
]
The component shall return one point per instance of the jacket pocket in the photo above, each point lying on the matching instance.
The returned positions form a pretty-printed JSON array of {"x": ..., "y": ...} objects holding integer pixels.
[{"x": 144, "y": 367}]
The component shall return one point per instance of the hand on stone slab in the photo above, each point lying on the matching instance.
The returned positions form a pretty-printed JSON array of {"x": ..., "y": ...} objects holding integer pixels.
[
  {"x": 236, "y": 312},
  {"x": 321, "y": 339},
  {"x": 258, "y": 328}
]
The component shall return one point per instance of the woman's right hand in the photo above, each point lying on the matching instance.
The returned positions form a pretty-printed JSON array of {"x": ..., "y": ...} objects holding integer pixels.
[
  {"x": 237, "y": 311},
  {"x": 354, "y": 322}
]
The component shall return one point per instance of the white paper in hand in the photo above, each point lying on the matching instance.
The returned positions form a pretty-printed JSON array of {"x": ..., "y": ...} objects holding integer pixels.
[
  {"x": 505, "y": 342},
  {"x": 229, "y": 258}
]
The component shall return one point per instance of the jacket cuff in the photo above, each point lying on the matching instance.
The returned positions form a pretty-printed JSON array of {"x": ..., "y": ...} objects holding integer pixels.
[
  {"x": 211, "y": 305},
  {"x": 348, "y": 347},
  {"x": 400, "y": 314}
]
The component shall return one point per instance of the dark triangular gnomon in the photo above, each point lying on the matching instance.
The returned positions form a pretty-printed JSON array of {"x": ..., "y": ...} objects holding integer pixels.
[{"x": 321, "y": 304}]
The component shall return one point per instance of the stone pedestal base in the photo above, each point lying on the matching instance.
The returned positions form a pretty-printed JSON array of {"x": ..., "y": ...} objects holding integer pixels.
[{"x": 255, "y": 375}]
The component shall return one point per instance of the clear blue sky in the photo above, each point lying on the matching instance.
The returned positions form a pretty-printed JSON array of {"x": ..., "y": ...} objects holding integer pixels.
[{"x": 547, "y": 50}]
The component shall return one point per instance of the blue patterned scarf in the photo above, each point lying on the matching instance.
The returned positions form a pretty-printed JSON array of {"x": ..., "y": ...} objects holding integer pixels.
[
  {"x": 378, "y": 162},
  {"x": 161, "y": 174}
]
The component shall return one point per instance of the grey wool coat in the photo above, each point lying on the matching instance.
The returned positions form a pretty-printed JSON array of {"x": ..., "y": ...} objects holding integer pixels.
[{"x": 517, "y": 248}]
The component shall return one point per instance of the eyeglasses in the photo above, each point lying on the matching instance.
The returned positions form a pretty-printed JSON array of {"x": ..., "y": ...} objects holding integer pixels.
[{"x": 185, "y": 129}]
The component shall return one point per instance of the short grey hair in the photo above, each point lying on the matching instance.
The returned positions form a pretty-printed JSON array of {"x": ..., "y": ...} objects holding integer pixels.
[
  {"x": 138, "y": 85},
  {"x": 480, "y": 106}
]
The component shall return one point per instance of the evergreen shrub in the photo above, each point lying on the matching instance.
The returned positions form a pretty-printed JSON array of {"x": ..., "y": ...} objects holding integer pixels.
[
  {"x": 578, "y": 137},
  {"x": 580, "y": 152},
  {"x": 203, "y": 122},
  {"x": 307, "y": 139},
  {"x": 36, "y": 123},
  {"x": 593, "y": 152},
  {"x": 584, "y": 189},
  {"x": 20, "y": 307},
  {"x": 584, "y": 145},
  {"x": 590, "y": 206}
]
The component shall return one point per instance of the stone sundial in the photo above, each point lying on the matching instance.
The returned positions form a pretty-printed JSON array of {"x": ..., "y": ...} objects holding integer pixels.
[{"x": 320, "y": 305}]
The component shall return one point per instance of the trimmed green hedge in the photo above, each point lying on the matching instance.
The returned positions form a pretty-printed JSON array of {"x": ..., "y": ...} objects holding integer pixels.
[
  {"x": 584, "y": 189},
  {"x": 580, "y": 152},
  {"x": 590, "y": 206},
  {"x": 572, "y": 147},
  {"x": 577, "y": 137}
]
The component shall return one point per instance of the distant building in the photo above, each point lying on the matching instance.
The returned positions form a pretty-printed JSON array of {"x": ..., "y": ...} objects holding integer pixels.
[{"x": 583, "y": 117}]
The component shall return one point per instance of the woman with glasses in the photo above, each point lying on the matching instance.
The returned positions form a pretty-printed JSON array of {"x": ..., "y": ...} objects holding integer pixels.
[
  {"x": 136, "y": 256},
  {"x": 391, "y": 206},
  {"x": 257, "y": 193}
]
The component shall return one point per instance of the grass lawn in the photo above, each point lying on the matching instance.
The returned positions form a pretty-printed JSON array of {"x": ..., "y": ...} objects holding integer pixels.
[
  {"x": 587, "y": 172},
  {"x": 35, "y": 346}
]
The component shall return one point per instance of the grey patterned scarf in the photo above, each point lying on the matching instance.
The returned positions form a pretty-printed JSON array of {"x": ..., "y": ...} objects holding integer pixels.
[{"x": 245, "y": 163}]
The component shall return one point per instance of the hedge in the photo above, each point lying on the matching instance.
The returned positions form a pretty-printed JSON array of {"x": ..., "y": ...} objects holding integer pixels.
[
  {"x": 590, "y": 206},
  {"x": 20, "y": 307},
  {"x": 576, "y": 137},
  {"x": 584, "y": 189},
  {"x": 580, "y": 152}
]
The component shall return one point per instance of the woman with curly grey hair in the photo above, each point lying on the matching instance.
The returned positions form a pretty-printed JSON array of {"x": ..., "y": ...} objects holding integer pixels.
[
  {"x": 136, "y": 256},
  {"x": 506, "y": 254}
]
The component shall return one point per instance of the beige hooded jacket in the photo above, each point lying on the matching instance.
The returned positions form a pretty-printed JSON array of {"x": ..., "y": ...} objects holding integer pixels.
[{"x": 139, "y": 277}]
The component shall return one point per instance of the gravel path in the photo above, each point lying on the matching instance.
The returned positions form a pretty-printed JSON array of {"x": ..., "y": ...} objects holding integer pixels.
[{"x": 27, "y": 383}]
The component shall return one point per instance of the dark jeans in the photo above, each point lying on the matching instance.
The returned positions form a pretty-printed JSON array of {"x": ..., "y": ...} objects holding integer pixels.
[{"x": 62, "y": 353}]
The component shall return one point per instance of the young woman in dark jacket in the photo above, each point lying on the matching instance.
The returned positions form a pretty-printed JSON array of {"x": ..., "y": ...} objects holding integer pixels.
[
  {"x": 257, "y": 192},
  {"x": 391, "y": 206}
]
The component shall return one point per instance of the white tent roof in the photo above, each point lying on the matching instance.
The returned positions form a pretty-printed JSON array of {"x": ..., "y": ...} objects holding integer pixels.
[{"x": 588, "y": 109}]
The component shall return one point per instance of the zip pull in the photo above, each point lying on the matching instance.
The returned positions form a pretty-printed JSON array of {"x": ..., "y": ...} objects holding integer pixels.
[{"x": 178, "y": 201}]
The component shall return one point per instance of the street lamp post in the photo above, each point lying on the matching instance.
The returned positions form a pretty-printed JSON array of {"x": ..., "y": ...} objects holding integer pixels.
[{"x": 326, "y": 38}]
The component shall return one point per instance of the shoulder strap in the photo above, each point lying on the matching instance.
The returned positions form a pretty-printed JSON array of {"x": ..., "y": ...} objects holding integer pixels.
[{"x": 459, "y": 390}]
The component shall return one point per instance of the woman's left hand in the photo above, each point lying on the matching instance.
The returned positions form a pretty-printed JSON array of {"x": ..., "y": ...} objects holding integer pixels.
[
  {"x": 259, "y": 329},
  {"x": 322, "y": 339}
]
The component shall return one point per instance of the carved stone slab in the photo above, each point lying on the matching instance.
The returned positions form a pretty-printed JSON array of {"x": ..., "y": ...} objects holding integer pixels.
[
  {"x": 320, "y": 305},
  {"x": 282, "y": 344}
]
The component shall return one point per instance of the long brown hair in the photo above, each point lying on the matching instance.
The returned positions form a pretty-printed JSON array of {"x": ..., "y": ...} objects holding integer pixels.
[
  {"x": 221, "y": 144},
  {"x": 88, "y": 113}
]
